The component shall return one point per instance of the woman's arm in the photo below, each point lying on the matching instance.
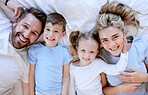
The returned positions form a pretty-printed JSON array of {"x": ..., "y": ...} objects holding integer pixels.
[
  {"x": 32, "y": 79},
  {"x": 122, "y": 88},
  {"x": 66, "y": 79},
  {"x": 25, "y": 88}
]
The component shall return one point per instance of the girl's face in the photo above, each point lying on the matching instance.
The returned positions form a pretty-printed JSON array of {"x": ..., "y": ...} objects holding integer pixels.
[
  {"x": 112, "y": 40},
  {"x": 87, "y": 51}
]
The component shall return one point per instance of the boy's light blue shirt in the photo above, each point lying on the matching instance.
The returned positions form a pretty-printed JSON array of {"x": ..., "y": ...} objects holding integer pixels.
[
  {"x": 49, "y": 63},
  {"x": 137, "y": 58}
]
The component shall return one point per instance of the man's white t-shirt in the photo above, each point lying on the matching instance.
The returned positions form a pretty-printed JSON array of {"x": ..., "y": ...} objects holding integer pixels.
[{"x": 13, "y": 62}]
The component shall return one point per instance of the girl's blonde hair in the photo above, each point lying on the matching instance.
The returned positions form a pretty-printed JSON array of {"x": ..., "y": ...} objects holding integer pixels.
[
  {"x": 76, "y": 36},
  {"x": 117, "y": 15}
]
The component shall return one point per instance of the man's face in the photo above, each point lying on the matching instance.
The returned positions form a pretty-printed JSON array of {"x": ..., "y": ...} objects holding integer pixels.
[{"x": 26, "y": 32}]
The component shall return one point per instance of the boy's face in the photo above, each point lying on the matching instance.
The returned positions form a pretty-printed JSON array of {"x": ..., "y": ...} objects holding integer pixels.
[{"x": 52, "y": 34}]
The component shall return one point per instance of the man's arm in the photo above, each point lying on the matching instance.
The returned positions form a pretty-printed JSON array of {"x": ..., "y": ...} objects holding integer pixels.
[{"x": 32, "y": 79}]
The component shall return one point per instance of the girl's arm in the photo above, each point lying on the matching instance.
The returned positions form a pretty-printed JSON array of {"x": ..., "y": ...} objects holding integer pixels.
[
  {"x": 122, "y": 88},
  {"x": 25, "y": 88},
  {"x": 119, "y": 66},
  {"x": 32, "y": 79},
  {"x": 66, "y": 79}
]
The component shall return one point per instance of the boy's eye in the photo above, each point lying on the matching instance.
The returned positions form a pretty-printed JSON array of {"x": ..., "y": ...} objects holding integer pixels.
[
  {"x": 83, "y": 50},
  {"x": 48, "y": 29}
]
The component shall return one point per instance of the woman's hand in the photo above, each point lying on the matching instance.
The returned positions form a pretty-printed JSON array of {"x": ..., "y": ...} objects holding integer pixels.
[
  {"x": 129, "y": 87},
  {"x": 134, "y": 77},
  {"x": 16, "y": 8}
]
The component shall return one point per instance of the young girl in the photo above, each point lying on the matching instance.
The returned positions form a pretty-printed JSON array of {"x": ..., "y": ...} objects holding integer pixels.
[{"x": 85, "y": 72}]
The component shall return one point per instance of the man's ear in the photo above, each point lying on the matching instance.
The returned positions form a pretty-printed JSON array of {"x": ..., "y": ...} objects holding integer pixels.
[
  {"x": 14, "y": 24},
  {"x": 64, "y": 33}
]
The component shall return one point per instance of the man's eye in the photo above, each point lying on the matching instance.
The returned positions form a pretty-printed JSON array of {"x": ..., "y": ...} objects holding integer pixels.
[{"x": 25, "y": 26}]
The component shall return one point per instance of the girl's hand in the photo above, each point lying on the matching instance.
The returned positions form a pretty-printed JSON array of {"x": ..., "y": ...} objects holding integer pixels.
[
  {"x": 135, "y": 77},
  {"x": 124, "y": 50},
  {"x": 129, "y": 87},
  {"x": 16, "y": 8}
]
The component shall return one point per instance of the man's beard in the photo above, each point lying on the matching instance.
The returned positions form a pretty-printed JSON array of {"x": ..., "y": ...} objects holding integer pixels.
[{"x": 13, "y": 36}]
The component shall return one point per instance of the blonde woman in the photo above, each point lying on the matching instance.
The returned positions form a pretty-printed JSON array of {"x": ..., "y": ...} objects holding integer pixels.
[{"x": 111, "y": 26}]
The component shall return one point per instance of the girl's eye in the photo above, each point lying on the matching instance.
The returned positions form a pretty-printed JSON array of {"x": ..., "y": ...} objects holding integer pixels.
[
  {"x": 104, "y": 40},
  {"x": 92, "y": 52},
  {"x": 56, "y": 31}
]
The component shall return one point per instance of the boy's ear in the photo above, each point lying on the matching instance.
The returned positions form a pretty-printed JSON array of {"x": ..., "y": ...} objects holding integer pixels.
[{"x": 64, "y": 33}]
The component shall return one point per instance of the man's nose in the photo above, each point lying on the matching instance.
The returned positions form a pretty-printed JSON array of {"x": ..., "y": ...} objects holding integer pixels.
[{"x": 27, "y": 33}]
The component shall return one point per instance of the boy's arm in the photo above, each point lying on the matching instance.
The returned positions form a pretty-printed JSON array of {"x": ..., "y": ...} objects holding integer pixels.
[
  {"x": 25, "y": 88},
  {"x": 32, "y": 79},
  {"x": 66, "y": 79}
]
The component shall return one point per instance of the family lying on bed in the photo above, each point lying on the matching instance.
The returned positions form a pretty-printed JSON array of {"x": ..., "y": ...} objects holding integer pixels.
[{"x": 104, "y": 54}]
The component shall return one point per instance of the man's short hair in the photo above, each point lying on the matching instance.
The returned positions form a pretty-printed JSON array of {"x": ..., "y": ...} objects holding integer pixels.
[
  {"x": 40, "y": 15},
  {"x": 56, "y": 18}
]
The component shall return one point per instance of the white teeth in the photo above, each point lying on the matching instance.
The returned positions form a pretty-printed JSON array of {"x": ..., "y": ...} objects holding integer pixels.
[
  {"x": 22, "y": 39},
  {"x": 114, "y": 48}
]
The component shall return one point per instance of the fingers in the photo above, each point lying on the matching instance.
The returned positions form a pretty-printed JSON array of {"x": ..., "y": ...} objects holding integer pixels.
[
  {"x": 126, "y": 78},
  {"x": 132, "y": 69},
  {"x": 18, "y": 11}
]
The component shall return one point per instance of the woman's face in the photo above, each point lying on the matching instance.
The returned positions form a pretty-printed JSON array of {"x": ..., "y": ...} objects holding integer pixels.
[{"x": 112, "y": 40}]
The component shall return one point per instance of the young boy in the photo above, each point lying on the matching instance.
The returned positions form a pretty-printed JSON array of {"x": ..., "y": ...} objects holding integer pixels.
[{"x": 49, "y": 61}]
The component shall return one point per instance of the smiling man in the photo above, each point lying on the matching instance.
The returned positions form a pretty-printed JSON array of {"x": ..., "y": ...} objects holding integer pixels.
[{"x": 13, "y": 52}]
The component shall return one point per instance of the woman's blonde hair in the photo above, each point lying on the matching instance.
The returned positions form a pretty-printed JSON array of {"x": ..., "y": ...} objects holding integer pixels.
[{"x": 117, "y": 15}]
